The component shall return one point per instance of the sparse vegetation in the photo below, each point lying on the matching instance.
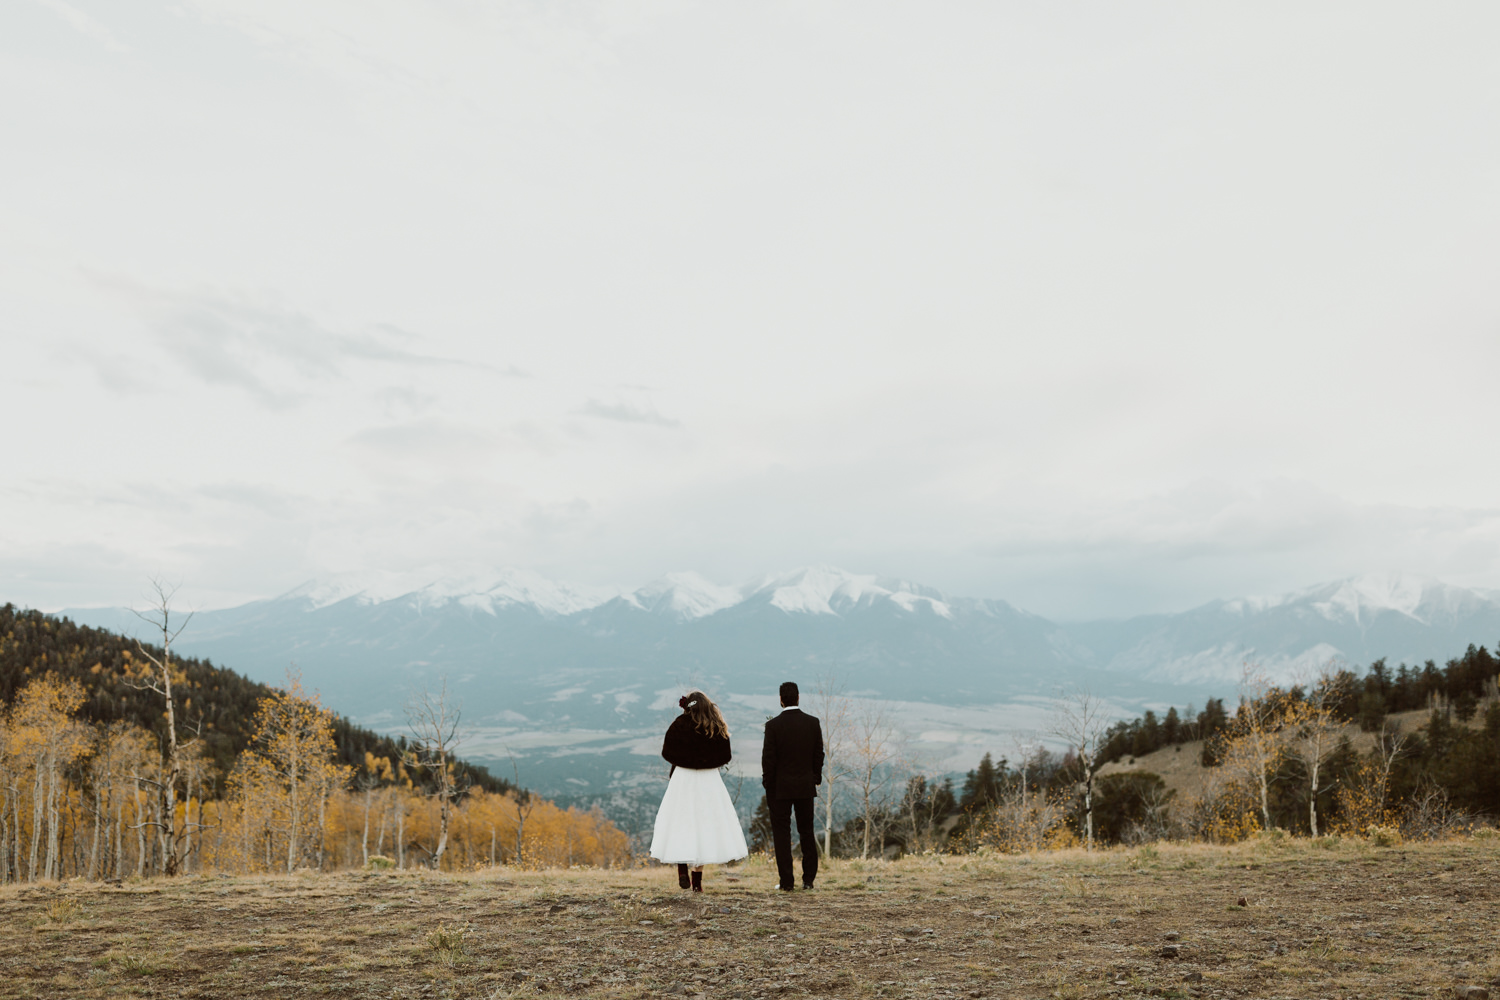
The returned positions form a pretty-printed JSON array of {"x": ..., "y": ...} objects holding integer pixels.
[
  {"x": 1273, "y": 916},
  {"x": 449, "y": 945}
]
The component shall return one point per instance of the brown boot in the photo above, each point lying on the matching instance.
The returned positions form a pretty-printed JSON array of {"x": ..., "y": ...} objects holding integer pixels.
[
  {"x": 698, "y": 881},
  {"x": 682, "y": 876}
]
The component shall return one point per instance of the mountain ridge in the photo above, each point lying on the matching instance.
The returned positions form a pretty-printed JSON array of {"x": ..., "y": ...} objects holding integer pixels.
[
  {"x": 1404, "y": 615},
  {"x": 573, "y": 686}
]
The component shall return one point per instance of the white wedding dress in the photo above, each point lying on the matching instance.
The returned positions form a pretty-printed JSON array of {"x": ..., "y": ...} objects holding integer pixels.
[{"x": 697, "y": 824}]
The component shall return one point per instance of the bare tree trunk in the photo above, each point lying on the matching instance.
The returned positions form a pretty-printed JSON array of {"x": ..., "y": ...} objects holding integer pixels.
[
  {"x": 98, "y": 822},
  {"x": 833, "y": 709},
  {"x": 434, "y": 726},
  {"x": 140, "y": 830},
  {"x": 364, "y": 844},
  {"x": 400, "y": 833},
  {"x": 828, "y": 817},
  {"x": 54, "y": 859},
  {"x": 119, "y": 870},
  {"x": 296, "y": 807},
  {"x": 1088, "y": 804},
  {"x": 1312, "y": 800},
  {"x": 1081, "y": 720},
  {"x": 160, "y": 681},
  {"x": 4, "y": 836},
  {"x": 1265, "y": 798},
  {"x": 322, "y": 817},
  {"x": 36, "y": 822},
  {"x": 380, "y": 836},
  {"x": 187, "y": 823}
]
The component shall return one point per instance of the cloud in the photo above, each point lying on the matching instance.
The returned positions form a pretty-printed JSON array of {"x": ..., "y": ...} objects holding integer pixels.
[
  {"x": 1209, "y": 519},
  {"x": 275, "y": 354},
  {"x": 428, "y": 440},
  {"x": 84, "y": 24},
  {"x": 626, "y": 414}
]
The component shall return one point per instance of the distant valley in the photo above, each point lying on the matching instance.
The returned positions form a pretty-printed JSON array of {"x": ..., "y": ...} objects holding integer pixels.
[{"x": 572, "y": 686}]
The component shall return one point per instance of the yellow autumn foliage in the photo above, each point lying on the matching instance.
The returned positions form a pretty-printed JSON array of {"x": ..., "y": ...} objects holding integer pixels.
[{"x": 81, "y": 800}]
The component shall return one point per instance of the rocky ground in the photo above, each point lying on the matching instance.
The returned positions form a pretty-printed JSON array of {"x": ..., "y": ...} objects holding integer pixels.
[{"x": 1266, "y": 919}]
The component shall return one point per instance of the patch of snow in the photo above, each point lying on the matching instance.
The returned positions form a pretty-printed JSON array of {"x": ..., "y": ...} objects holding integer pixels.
[
  {"x": 495, "y": 589},
  {"x": 688, "y": 595},
  {"x": 372, "y": 587},
  {"x": 1254, "y": 605},
  {"x": 1224, "y": 664},
  {"x": 824, "y": 590},
  {"x": 486, "y": 590},
  {"x": 1375, "y": 592},
  {"x": 810, "y": 590},
  {"x": 908, "y": 601},
  {"x": 1358, "y": 598}
]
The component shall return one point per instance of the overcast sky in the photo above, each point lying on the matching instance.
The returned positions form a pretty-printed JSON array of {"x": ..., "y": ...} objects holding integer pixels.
[{"x": 1098, "y": 308}]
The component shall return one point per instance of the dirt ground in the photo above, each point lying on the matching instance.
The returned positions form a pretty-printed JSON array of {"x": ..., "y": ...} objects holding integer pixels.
[{"x": 1264, "y": 919}]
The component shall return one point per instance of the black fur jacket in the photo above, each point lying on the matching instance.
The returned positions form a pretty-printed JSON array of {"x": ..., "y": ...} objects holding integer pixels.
[{"x": 686, "y": 747}]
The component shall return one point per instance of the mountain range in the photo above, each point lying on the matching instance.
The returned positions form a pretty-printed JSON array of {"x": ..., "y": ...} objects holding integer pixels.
[{"x": 576, "y": 682}]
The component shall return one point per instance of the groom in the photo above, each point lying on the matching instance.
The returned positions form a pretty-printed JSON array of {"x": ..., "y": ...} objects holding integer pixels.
[{"x": 791, "y": 766}]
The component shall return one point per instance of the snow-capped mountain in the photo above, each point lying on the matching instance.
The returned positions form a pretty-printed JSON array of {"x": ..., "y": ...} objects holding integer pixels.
[
  {"x": 812, "y": 590},
  {"x": 1292, "y": 636},
  {"x": 516, "y": 636}
]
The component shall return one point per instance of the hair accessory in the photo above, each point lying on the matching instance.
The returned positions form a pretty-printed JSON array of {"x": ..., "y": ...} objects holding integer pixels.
[{"x": 682, "y": 702}]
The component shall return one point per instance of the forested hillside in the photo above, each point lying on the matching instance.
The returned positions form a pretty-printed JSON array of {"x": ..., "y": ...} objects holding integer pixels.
[
  {"x": 1412, "y": 752},
  {"x": 1460, "y": 687},
  {"x": 220, "y": 701},
  {"x": 1449, "y": 763}
]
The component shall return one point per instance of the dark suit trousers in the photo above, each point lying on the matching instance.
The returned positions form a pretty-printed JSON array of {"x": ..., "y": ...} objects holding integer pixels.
[{"x": 781, "y": 836}]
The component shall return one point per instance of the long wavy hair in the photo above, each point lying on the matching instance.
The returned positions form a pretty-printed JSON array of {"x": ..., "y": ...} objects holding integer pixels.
[{"x": 706, "y": 716}]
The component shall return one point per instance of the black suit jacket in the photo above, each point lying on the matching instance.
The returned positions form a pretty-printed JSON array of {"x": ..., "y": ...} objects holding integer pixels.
[{"x": 791, "y": 763}]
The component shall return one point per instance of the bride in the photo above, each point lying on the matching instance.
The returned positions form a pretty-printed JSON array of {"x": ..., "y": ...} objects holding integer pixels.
[{"x": 696, "y": 824}]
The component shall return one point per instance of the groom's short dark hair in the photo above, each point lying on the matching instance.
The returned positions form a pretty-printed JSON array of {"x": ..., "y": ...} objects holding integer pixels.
[{"x": 789, "y": 693}]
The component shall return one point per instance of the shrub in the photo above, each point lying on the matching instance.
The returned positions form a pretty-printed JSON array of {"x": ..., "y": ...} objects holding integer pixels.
[
  {"x": 63, "y": 910},
  {"x": 1383, "y": 836},
  {"x": 378, "y": 862},
  {"x": 449, "y": 946}
]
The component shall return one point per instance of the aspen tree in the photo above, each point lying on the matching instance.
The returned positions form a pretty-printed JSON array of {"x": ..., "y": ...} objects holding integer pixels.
[
  {"x": 10, "y": 792},
  {"x": 46, "y": 739},
  {"x": 160, "y": 677},
  {"x": 525, "y": 804},
  {"x": 874, "y": 748},
  {"x": 1313, "y": 729},
  {"x": 1081, "y": 721},
  {"x": 120, "y": 748},
  {"x": 1257, "y": 738},
  {"x": 832, "y": 707},
  {"x": 433, "y": 720},
  {"x": 290, "y": 769}
]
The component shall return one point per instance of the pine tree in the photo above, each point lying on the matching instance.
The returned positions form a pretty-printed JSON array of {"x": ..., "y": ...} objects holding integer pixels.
[
  {"x": 1171, "y": 727},
  {"x": 760, "y": 828},
  {"x": 981, "y": 786}
]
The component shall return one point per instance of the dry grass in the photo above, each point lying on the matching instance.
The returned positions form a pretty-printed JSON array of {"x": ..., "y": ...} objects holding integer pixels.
[{"x": 1332, "y": 919}]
